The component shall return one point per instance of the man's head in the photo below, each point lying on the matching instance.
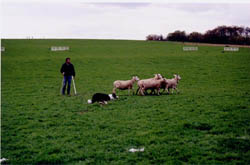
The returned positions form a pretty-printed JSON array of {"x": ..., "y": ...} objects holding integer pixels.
[{"x": 67, "y": 60}]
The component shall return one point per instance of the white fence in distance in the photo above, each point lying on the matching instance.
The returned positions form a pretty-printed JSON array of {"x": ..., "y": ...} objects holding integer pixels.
[
  {"x": 190, "y": 48},
  {"x": 59, "y": 48},
  {"x": 231, "y": 49},
  {"x": 2, "y": 49}
]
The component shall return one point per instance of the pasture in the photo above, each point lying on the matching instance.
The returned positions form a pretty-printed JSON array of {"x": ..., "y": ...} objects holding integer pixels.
[{"x": 208, "y": 122}]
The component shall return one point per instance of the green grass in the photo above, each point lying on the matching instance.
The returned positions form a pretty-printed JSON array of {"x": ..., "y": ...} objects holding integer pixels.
[{"x": 207, "y": 123}]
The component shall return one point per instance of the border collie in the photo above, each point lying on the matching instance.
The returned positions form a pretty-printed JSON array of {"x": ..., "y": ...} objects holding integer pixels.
[{"x": 102, "y": 98}]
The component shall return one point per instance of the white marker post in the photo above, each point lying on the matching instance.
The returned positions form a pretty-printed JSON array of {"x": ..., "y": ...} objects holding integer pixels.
[
  {"x": 190, "y": 48},
  {"x": 2, "y": 49},
  {"x": 136, "y": 150},
  {"x": 59, "y": 48},
  {"x": 231, "y": 49},
  {"x": 74, "y": 84}
]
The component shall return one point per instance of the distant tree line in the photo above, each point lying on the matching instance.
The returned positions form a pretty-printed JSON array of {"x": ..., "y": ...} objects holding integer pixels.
[{"x": 219, "y": 35}]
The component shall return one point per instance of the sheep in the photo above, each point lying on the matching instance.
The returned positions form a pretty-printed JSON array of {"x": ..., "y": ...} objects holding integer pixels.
[
  {"x": 139, "y": 83},
  {"x": 153, "y": 84},
  {"x": 172, "y": 83},
  {"x": 163, "y": 86},
  {"x": 125, "y": 84}
]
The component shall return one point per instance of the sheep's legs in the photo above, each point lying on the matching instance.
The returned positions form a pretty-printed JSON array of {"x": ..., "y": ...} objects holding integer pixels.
[
  {"x": 175, "y": 88},
  {"x": 163, "y": 91},
  {"x": 145, "y": 92},
  {"x": 142, "y": 92},
  {"x": 158, "y": 91},
  {"x": 137, "y": 90},
  {"x": 114, "y": 90},
  {"x": 152, "y": 91},
  {"x": 169, "y": 90}
]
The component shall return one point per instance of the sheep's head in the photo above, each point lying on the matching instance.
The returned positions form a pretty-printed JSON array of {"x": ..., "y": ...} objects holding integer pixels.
[
  {"x": 137, "y": 78},
  {"x": 176, "y": 76},
  {"x": 158, "y": 76}
]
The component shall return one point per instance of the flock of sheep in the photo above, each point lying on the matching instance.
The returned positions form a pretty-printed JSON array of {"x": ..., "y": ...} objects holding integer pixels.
[{"x": 154, "y": 84}]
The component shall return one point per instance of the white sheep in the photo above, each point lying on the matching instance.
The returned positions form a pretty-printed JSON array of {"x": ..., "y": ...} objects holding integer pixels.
[
  {"x": 153, "y": 85},
  {"x": 141, "y": 82},
  {"x": 163, "y": 86},
  {"x": 172, "y": 83},
  {"x": 125, "y": 84}
]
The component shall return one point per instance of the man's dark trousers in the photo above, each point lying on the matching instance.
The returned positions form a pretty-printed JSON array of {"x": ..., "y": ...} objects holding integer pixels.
[{"x": 66, "y": 80}]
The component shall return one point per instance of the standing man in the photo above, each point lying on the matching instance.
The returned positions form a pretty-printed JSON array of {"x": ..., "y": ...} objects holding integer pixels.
[{"x": 67, "y": 71}]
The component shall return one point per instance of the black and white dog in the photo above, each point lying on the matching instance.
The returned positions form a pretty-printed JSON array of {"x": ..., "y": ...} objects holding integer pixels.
[{"x": 102, "y": 98}]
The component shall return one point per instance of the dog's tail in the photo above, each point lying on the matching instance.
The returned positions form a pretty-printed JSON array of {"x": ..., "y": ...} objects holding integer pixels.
[{"x": 90, "y": 101}]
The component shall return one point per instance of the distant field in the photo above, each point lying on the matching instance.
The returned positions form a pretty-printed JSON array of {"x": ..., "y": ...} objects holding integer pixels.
[{"x": 207, "y": 123}]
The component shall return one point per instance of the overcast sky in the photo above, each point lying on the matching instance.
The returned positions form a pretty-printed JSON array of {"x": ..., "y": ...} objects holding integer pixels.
[{"x": 111, "y": 20}]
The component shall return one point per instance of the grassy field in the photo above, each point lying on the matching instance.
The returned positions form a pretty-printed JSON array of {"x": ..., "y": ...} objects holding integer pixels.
[{"x": 208, "y": 122}]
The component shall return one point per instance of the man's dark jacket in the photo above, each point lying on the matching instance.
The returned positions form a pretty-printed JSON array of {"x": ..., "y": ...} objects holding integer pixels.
[{"x": 68, "y": 69}]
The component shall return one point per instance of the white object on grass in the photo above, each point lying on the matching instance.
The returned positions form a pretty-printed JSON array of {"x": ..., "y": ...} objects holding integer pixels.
[
  {"x": 136, "y": 150},
  {"x": 190, "y": 48},
  {"x": 232, "y": 49},
  {"x": 59, "y": 48},
  {"x": 74, "y": 85},
  {"x": 62, "y": 86}
]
